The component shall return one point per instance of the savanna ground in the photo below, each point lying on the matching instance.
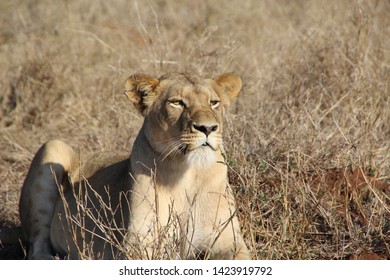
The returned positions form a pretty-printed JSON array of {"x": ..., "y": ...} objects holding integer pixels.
[{"x": 307, "y": 141}]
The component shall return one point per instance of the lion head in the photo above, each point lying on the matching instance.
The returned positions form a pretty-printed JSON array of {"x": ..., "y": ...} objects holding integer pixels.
[{"x": 183, "y": 113}]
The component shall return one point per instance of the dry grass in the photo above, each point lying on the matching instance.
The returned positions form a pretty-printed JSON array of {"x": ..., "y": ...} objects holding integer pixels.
[{"x": 308, "y": 138}]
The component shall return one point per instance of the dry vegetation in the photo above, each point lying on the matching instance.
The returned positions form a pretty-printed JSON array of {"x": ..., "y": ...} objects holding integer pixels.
[{"x": 308, "y": 138}]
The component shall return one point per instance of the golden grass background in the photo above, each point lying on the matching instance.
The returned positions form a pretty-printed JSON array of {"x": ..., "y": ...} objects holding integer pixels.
[{"x": 308, "y": 138}]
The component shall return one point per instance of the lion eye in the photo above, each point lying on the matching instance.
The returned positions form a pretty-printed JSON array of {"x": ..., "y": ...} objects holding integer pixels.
[
  {"x": 214, "y": 103},
  {"x": 177, "y": 103}
]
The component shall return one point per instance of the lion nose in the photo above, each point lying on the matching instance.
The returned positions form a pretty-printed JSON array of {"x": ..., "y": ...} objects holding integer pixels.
[{"x": 206, "y": 129}]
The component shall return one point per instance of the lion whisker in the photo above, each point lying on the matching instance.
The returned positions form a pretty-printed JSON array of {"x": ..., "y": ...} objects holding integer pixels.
[{"x": 172, "y": 147}]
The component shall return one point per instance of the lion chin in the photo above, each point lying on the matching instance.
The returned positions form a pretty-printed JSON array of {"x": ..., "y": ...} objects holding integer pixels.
[{"x": 203, "y": 157}]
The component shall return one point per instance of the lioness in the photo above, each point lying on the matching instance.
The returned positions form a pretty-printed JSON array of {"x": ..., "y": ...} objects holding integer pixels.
[{"x": 172, "y": 190}]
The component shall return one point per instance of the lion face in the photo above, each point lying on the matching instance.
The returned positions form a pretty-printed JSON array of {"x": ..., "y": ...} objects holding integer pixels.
[{"x": 184, "y": 113}]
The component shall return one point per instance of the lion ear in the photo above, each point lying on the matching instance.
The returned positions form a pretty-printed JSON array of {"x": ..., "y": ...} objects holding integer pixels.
[
  {"x": 140, "y": 89},
  {"x": 230, "y": 83}
]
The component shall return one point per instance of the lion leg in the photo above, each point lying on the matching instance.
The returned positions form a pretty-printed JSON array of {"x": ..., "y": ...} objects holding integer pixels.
[
  {"x": 230, "y": 244},
  {"x": 40, "y": 192},
  {"x": 240, "y": 251}
]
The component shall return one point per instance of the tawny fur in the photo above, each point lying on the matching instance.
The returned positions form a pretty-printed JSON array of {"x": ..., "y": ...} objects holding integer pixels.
[{"x": 172, "y": 190}]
